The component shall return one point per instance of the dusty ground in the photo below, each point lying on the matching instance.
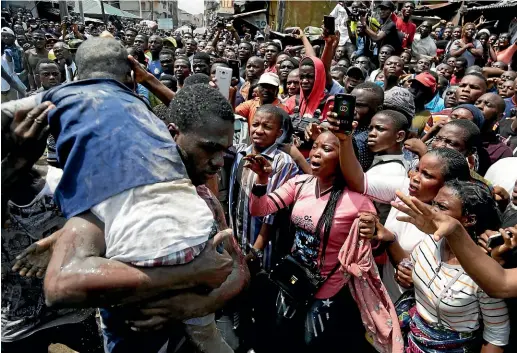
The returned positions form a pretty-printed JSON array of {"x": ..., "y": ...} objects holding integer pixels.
[{"x": 59, "y": 348}]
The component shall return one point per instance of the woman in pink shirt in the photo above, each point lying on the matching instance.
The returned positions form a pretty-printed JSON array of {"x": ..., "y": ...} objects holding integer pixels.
[{"x": 322, "y": 215}]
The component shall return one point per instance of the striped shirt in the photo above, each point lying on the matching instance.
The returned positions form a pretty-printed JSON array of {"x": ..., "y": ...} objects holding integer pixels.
[
  {"x": 447, "y": 294},
  {"x": 245, "y": 227}
]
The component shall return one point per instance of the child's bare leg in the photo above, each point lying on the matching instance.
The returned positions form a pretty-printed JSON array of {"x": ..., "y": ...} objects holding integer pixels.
[{"x": 207, "y": 338}]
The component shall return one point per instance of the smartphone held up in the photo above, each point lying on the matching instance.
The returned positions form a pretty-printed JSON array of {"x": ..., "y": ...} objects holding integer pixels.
[
  {"x": 329, "y": 22},
  {"x": 344, "y": 107}
]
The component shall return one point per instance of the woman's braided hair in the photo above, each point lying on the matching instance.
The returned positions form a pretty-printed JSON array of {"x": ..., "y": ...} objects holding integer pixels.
[
  {"x": 325, "y": 221},
  {"x": 455, "y": 165},
  {"x": 477, "y": 201}
]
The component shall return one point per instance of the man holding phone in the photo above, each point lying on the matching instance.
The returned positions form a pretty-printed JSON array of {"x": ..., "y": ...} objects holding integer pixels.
[{"x": 388, "y": 33}]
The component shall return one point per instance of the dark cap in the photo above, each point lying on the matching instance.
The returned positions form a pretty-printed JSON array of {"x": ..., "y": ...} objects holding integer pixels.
[
  {"x": 387, "y": 4},
  {"x": 357, "y": 71}
]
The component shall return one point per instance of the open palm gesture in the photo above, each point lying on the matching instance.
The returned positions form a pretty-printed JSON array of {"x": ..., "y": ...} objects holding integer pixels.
[
  {"x": 425, "y": 218},
  {"x": 259, "y": 164}
]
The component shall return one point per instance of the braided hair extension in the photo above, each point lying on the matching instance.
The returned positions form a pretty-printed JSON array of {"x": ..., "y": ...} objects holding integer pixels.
[
  {"x": 477, "y": 201},
  {"x": 325, "y": 221}
]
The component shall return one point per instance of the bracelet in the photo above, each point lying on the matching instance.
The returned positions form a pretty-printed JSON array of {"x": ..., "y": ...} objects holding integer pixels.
[
  {"x": 259, "y": 189},
  {"x": 259, "y": 254}
]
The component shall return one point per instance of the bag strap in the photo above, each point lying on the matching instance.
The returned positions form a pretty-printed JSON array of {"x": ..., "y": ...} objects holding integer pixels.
[
  {"x": 300, "y": 190},
  {"x": 338, "y": 265}
]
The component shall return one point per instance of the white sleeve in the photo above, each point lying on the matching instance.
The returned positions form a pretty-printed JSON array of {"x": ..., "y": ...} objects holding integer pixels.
[
  {"x": 496, "y": 328},
  {"x": 334, "y": 12},
  {"x": 382, "y": 188}
]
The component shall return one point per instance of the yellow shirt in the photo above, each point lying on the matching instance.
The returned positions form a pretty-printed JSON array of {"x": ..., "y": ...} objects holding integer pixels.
[{"x": 373, "y": 24}]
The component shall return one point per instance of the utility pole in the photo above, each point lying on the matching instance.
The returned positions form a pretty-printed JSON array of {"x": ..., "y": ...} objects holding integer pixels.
[
  {"x": 63, "y": 9},
  {"x": 152, "y": 10},
  {"x": 103, "y": 13},
  {"x": 81, "y": 11}
]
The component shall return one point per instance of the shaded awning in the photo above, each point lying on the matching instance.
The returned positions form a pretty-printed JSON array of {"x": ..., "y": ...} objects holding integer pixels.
[{"x": 93, "y": 7}]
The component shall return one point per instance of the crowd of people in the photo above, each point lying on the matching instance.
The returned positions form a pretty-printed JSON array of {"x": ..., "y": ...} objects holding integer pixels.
[{"x": 146, "y": 209}]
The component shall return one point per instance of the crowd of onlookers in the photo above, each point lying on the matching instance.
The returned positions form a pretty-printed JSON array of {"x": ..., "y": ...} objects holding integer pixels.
[{"x": 399, "y": 235}]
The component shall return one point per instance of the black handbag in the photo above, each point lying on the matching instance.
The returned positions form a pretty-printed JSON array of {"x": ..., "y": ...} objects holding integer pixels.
[{"x": 297, "y": 281}]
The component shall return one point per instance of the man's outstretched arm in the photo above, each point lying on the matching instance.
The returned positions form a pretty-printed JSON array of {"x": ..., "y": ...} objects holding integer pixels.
[{"x": 78, "y": 275}]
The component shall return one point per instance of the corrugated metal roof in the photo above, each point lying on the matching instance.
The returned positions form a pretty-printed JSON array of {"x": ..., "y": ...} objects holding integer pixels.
[{"x": 501, "y": 4}]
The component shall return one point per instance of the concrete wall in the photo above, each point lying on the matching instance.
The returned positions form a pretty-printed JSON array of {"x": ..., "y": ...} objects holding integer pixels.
[{"x": 301, "y": 13}]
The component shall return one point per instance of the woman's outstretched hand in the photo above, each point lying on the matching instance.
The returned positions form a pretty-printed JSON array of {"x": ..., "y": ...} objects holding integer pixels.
[{"x": 425, "y": 218}]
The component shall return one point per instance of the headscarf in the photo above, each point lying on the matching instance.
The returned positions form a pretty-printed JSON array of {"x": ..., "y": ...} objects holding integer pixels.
[
  {"x": 308, "y": 105},
  {"x": 479, "y": 119},
  {"x": 484, "y": 30}
]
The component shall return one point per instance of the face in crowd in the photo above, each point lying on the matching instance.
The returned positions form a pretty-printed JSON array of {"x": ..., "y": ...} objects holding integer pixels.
[
  {"x": 470, "y": 89},
  {"x": 265, "y": 129},
  {"x": 181, "y": 69},
  {"x": 271, "y": 53},
  {"x": 49, "y": 75}
]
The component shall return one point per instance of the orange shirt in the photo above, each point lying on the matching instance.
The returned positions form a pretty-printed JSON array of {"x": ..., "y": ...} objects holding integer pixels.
[{"x": 249, "y": 108}]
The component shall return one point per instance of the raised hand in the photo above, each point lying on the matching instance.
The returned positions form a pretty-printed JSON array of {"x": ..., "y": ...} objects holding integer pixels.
[
  {"x": 510, "y": 243},
  {"x": 140, "y": 75},
  {"x": 312, "y": 131},
  {"x": 259, "y": 165},
  {"x": 425, "y": 218},
  {"x": 298, "y": 33},
  {"x": 333, "y": 126}
]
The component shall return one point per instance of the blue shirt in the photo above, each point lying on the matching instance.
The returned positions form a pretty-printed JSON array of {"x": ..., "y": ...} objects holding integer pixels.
[
  {"x": 246, "y": 228},
  {"x": 509, "y": 105},
  {"x": 436, "y": 104},
  {"x": 107, "y": 141},
  {"x": 155, "y": 68},
  {"x": 335, "y": 89},
  {"x": 360, "y": 42}
]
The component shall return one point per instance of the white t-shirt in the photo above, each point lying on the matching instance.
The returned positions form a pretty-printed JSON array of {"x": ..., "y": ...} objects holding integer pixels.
[
  {"x": 341, "y": 16},
  {"x": 154, "y": 221},
  {"x": 389, "y": 165},
  {"x": 382, "y": 188},
  {"x": 503, "y": 173}
]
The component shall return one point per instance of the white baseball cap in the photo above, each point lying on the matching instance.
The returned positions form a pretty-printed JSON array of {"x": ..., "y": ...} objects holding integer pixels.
[
  {"x": 269, "y": 78},
  {"x": 7, "y": 30}
]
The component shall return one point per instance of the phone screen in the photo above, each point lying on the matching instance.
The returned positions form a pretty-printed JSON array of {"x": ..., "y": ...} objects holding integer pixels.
[
  {"x": 234, "y": 65},
  {"x": 329, "y": 23},
  {"x": 344, "y": 107},
  {"x": 495, "y": 240}
]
